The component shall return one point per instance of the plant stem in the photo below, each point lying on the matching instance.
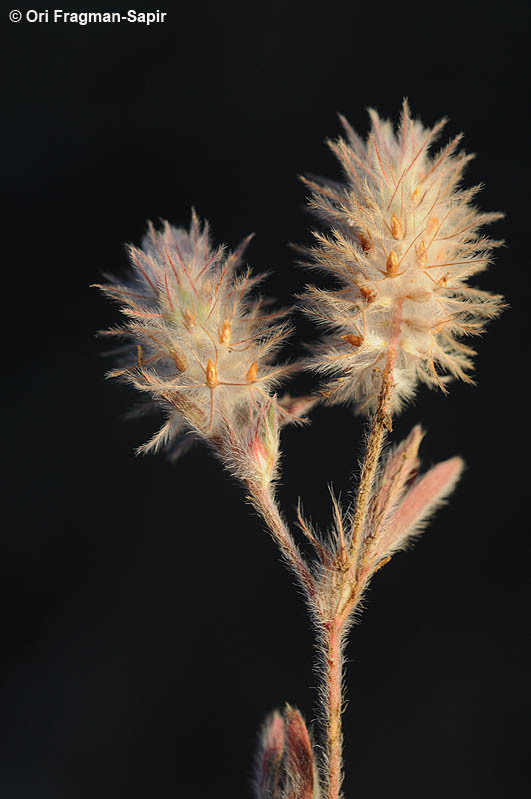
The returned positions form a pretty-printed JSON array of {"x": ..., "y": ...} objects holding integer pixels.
[
  {"x": 381, "y": 422},
  {"x": 334, "y": 700},
  {"x": 265, "y": 504},
  {"x": 379, "y": 425},
  {"x": 351, "y": 590},
  {"x": 334, "y": 599}
]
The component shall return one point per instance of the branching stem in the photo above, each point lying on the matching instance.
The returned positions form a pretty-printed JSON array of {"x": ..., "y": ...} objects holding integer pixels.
[
  {"x": 342, "y": 592},
  {"x": 351, "y": 590},
  {"x": 381, "y": 422}
]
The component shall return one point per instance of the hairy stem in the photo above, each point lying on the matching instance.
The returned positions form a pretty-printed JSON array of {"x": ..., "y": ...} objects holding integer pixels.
[
  {"x": 351, "y": 590},
  {"x": 344, "y": 589},
  {"x": 381, "y": 422},
  {"x": 265, "y": 504},
  {"x": 334, "y": 699}
]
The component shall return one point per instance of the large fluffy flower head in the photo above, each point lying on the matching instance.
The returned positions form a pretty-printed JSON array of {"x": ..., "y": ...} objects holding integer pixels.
[
  {"x": 404, "y": 242},
  {"x": 198, "y": 345}
]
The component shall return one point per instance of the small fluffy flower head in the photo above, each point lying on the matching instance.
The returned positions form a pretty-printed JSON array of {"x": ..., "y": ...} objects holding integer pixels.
[
  {"x": 199, "y": 347},
  {"x": 403, "y": 243}
]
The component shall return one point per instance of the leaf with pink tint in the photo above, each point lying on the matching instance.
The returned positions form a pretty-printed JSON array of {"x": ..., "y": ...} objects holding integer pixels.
[
  {"x": 285, "y": 766},
  {"x": 402, "y": 503},
  {"x": 300, "y": 768},
  {"x": 423, "y": 499},
  {"x": 269, "y": 758},
  {"x": 400, "y": 467}
]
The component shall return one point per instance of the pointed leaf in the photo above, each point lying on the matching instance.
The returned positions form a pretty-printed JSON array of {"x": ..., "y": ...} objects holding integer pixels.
[
  {"x": 300, "y": 769},
  {"x": 402, "y": 503},
  {"x": 400, "y": 467},
  {"x": 269, "y": 758},
  {"x": 423, "y": 499}
]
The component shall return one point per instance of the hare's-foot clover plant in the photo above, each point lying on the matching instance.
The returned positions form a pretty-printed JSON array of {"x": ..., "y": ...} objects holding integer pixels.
[{"x": 403, "y": 242}]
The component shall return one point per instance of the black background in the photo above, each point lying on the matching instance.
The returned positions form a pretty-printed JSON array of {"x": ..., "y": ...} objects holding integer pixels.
[{"x": 148, "y": 625}]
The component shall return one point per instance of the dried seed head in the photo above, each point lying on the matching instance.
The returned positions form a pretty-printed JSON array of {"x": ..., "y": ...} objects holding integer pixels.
[
  {"x": 397, "y": 192},
  {"x": 183, "y": 301}
]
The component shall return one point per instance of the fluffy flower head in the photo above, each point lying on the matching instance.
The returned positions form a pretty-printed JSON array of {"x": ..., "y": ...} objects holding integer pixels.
[
  {"x": 404, "y": 242},
  {"x": 198, "y": 345}
]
